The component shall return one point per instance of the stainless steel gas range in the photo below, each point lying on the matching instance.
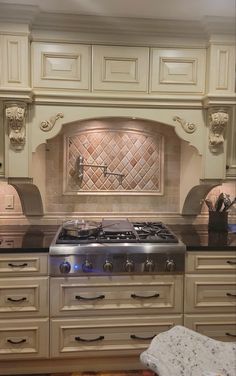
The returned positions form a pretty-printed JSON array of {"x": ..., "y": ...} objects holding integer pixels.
[{"x": 112, "y": 247}]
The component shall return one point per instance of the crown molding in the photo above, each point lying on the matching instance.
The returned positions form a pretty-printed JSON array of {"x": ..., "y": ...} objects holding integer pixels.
[{"x": 125, "y": 27}]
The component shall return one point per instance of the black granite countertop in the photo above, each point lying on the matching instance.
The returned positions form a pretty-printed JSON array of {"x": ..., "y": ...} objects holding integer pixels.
[{"x": 38, "y": 238}]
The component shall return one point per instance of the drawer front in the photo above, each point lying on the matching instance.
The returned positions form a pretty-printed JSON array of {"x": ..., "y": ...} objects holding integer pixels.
[
  {"x": 90, "y": 295},
  {"x": 22, "y": 297},
  {"x": 21, "y": 339},
  {"x": 218, "y": 262},
  {"x": 213, "y": 326},
  {"x": 89, "y": 337},
  {"x": 23, "y": 265},
  {"x": 210, "y": 293}
]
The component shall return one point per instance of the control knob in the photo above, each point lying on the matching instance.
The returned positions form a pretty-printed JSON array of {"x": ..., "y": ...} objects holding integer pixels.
[
  {"x": 149, "y": 266},
  {"x": 170, "y": 265},
  {"x": 107, "y": 266},
  {"x": 129, "y": 266},
  {"x": 65, "y": 267},
  {"x": 87, "y": 266}
]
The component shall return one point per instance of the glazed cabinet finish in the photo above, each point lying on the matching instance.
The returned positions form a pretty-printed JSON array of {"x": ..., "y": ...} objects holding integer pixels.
[
  {"x": 24, "y": 306},
  {"x": 97, "y": 315},
  {"x": 210, "y": 294}
]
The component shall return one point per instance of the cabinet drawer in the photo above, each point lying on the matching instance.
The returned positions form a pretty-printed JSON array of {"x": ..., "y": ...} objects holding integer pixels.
[
  {"x": 106, "y": 295},
  {"x": 213, "y": 326},
  {"x": 23, "y": 265},
  {"x": 210, "y": 293},
  {"x": 21, "y": 339},
  {"x": 83, "y": 337},
  {"x": 24, "y": 297},
  {"x": 218, "y": 262}
]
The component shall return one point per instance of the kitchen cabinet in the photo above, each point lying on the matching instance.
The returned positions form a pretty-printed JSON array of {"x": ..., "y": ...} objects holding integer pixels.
[
  {"x": 2, "y": 143},
  {"x": 24, "y": 306},
  {"x": 97, "y": 315},
  {"x": 231, "y": 147},
  {"x": 210, "y": 294},
  {"x": 177, "y": 70},
  {"x": 61, "y": 66}
]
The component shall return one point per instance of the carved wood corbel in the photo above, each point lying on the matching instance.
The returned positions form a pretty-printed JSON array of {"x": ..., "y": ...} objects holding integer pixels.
[
  {"x": 15, "y": 117},
  {"x": 47, "y": 125},
  {"x": 218, "y": 120}
]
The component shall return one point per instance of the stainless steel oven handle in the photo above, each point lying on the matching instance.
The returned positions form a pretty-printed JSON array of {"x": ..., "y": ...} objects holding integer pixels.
[
  {"x": 78, "y": 297},
  {"x": 134, "y": 296}
]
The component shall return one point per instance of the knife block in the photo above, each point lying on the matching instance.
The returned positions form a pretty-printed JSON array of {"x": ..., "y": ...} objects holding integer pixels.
[{"x": 218, "y": 221}]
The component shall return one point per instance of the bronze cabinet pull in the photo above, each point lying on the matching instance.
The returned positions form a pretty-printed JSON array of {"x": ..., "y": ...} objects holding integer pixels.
[
  {"x": 230, "y": 335},
  {"x": 133, "y": 336},
  {"x": 229, "y": 294},
  {"x": 144, "y": 297},
  {"x": 18, "y": 265},
  {"x": 231, "y": 262},
  {"x": 100, "y": 338},
  {"x": 16, "y": 300},
  {"x": 16, "y": 342},
  {"x": 78, "y": 297}
]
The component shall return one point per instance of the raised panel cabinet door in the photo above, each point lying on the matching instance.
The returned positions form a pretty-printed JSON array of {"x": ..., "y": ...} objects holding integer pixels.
[
  {"x": 24, "y": 339},
  {"x": 81, "y": 296},
  {"x": 120, "y": 69},
  {"x": 23, "y": 265},
  {"x": 211, "y": 262},
  {"x": 61, "y": 66},
  {"x": 177, "y": 70},
  {"x": 219, "y": 327},
  {"x": 24, "y": 297},
  {"x": 89, "y": 337},
  {"x": 210, "y": 294}
]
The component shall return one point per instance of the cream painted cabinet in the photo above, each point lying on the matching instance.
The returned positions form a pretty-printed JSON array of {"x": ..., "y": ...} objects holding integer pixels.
[
  {"x": 210, "y": 294},
  {"x": 2, "y": 143},
  {"x": 97, "y": 315},
  {"x": 231, "y": 146},
  {"x": 24, "y": 306},
  {"x": 61, "y": 66},
  {"x": 14, "y": 62}
]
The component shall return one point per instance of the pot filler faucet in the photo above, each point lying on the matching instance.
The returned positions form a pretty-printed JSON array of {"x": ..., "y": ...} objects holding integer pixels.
[{"x": 80, "y": 164}]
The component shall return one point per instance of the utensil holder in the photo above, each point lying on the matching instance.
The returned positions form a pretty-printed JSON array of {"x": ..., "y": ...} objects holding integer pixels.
[{"x": 218, "y": 221}]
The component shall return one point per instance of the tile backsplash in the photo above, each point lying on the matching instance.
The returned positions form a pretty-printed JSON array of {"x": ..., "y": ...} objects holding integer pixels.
[
  {"x": 147, "y": 153},
  {"x": 133, "y": 161}
]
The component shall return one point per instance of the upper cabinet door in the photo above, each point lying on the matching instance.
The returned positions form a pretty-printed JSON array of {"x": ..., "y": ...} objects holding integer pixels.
[
  {"x": 178, "y": 71},
  {"x": 120, "y": 69},
  {"x": 61, "y": 66}
]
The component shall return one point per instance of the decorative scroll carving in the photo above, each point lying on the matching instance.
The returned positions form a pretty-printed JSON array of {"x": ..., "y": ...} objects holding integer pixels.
[
  {"x": 47, "y": 125},
  {"x": 15, "y": 115},
  {"x": 217, "y": 121},
  {"x": 188, "y": 127}
]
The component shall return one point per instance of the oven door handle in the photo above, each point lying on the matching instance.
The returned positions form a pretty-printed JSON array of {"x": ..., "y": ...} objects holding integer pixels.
[
  {"x": 78, "y": 297},
  {"x": 134, "y": 296},
  {"x": 133, "y": 336},
  {"x": 100, "y": 338}
]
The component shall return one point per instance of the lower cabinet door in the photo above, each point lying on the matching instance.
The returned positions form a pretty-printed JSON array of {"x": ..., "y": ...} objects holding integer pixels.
[
  {"x": 100, "y": 336},
  {"x": 219, "y": 327},
  {"x": 24, "y": 339}
]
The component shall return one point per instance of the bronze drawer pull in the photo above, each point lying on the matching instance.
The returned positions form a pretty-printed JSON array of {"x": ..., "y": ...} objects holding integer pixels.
[
  {"x": 100, "y": 338},
  {"x": 144, "y": 297},
  {"x": 231, "y": 262},
  {"x": 18, "y": 266},
  {"x": 16, "y": 342},
  {"x": 78, "y": 297},
  {"x": 133, "y": 336},
  {"x": 230, "y": 335},
  {"x": 232, "y": 295},
  {"x": 16, "y": 300}
]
